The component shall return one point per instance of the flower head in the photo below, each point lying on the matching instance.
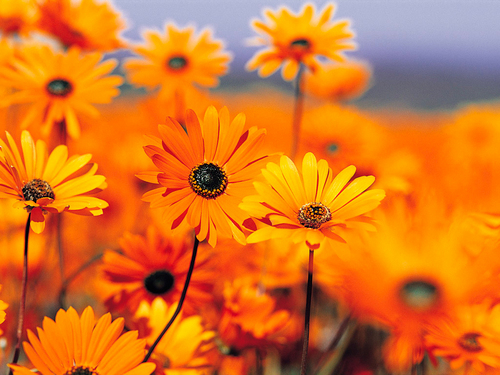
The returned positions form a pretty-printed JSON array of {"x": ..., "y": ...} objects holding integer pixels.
[
  {"x": 312, "y": 206},
  {"x": 293, "y": 39},
  {"x": 59, "y": 85},
  {"x": 82, "y": 345},
  {"x": 17, "y": 16},
  {"x": 43, "y": 183},
  {"x": 205, "y": 173},
  {"x": 178, "y": 59}
]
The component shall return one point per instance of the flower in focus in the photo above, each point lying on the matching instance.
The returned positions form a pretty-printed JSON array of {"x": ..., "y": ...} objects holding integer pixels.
[
  {"x": 17, "y": 16},
  {"x": 82, "y": 345},
  {"x": 48, "y": 183},
  {"x": 205, "y": 173},
  {"x": 59, "y": 86},
  {"x": 298, "y": 39},
  {"x": 312, "y": 206},
  {"x": 153, "y": 266},
  {"x": 177, "y": 60},
  {"x": 87, "y": 24}
]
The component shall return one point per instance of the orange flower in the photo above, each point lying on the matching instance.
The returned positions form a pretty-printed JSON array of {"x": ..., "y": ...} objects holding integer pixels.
[
  {"x": 59, "y": 85},
  {"x": 205, "y": 173},
  {"x": 80, "y": 345},
  {"x": 43, "y": 183},
  {"x": 151, "y": 267},
  {"x": 17, "y": 16},
  {"x": 177, "y": 60},
  {"x": 298, "y": 39},
  {"x": 86, "y": 24},
  {"x": 311, "y": 207}
]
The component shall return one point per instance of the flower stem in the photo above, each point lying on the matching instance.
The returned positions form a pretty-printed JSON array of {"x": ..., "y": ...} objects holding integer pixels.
[
  {"x": 305, "y": 345},
  {"x": 297, "y": 112},
  {"x": 24, "y": 287},
  {"x": 181, "y": 301}
]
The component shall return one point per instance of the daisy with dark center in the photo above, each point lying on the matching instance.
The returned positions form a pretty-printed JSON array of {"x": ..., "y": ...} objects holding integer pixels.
[
  {"x": 60, "y": 86},
  {"x": 310, "y": 207},
  {"x": 74, "y": 345}
]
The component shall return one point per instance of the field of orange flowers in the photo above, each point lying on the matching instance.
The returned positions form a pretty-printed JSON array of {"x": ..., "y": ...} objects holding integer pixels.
[{"x": 150, "y": 224}]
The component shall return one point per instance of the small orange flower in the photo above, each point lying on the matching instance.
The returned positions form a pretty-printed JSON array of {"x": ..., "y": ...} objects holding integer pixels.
[
  {"x": 59, "y": 85},
  {"x": 205, "y": 173},
  {"x": 311, "y": 207},
  {"x": 87, "y": 24},
  {"x": 295, "y": 39},
  {"x": 43, "y": 183},
  {"x": 17, "y": 16},
  {"x": 82, "y": 345}
]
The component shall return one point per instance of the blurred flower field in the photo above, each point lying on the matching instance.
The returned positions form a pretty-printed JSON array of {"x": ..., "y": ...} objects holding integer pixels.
[{"x": 155, "y": 221}]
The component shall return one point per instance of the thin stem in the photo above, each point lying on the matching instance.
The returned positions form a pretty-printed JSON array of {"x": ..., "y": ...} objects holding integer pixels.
[
  {"x": 181, "y": 301},
  {"x": 305, "y": 345},
  {"x": 24, "y": 287},
  {"x": 60, "y": 247},
  {"x": 297, "y": 112},
  {"x": 259, "y": 368},
  {"x": 70, "y": 278}
]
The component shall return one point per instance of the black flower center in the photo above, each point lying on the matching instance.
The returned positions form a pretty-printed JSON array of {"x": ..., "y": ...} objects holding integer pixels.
[
  {"x": 469, "y": 342},
  {"x": 300, "y": 43},
  {"x": 36, "y": 189},
  {"x": 419, "y": 295},
  {"x": 159, "y": 282},
  {"x": 312, "y": 215},
  {"x": 177, "y": 63},
  {"x": 80, "y": 370},
  {"x": 59, "y": 87},
  {"x": 208, "y": 180}
]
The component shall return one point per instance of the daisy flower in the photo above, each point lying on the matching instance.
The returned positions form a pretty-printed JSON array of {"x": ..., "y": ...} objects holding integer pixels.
[
  {"x": 205, "y": 173},
  {"x": 84, "y": 345},
  {"x": 294, "y": 39},
  {"x": 60, "y": 86},
  {"x": 88, "y": 24},
  {"x": 48, "y": 183},
  {"x": 311, "y": 206},
  {"x": 178, "y": 59}
]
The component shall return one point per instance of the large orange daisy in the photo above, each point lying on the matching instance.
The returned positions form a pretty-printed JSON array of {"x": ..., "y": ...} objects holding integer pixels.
[
  {"x": 294, "y": 39},
  {"x": 205, "y": 173},
  {"x": 60, "y": 86},
  {"x": 48, "y": 183},
  {"x": 178, "y": 59},
  {"x": 88, "y": 24},
  {"x": 311, "y": 206},
  {"x": 84, "y": 345}
]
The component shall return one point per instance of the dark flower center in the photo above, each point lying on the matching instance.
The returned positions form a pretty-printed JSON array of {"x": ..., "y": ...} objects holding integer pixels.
[
  {"x": 332, "y": 148},
  {"x": 300, "y": 43},
  {"x": 59, "y": 87},
  {"x": 80, "y": 370},
  {"x": 159, "y": 282},
  {"x": 208, "y": 180},
  {"x": 419, "y": 295},
  {"x": 36, "y": 189},
  {"x": 312, "y": 215},
  {"x": 177, "y": 63},
  {"x": 469, "y": 342}
]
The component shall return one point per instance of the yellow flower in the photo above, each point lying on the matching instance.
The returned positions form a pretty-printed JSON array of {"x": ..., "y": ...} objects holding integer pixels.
[
  {"x": 80, "y": 345},
  {"x": 43, "y": 183},
  {"x": 312, "y": 206},
  {"x": 293, "y": 39},
  {"x": 59, "y": 86}
]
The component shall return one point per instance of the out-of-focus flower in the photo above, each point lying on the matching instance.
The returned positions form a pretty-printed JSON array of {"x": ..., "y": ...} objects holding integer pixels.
[
  {"x": 294, "y": 39},
  {"x": 48, "y": 183},
  {"x": 156, "y": 266},
  {"x": 82, "y": 345},
  {"x": 59, "y": 86},
  {"x": 178, "y": 60},
  {"x": 3, "y": 306},
  {"x": 311, "y": 206},
  {"x": 87, "y": 24},
  {"x": 470, "y": 338},
  {"x": 184, "y": 348},
  {"x": 338, "y": 82},
  {"x": 205, "y": 173},
  {"x": 17, "y": 16}
]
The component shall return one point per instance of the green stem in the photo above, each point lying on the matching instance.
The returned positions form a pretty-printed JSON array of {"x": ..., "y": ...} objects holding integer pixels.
[
  {"x": 307, "y": 319},
  {"x": 297, "y": 112}
]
